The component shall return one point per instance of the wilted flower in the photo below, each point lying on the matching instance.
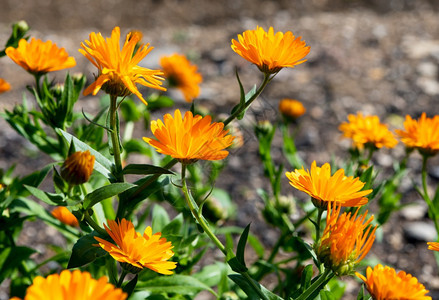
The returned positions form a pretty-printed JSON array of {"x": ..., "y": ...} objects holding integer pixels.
[
  {"x": 367, "y": 131},
  {"x": 38, "y": 57},
  {"x": 65, "y": 216},
  {"x": 324, "y": 188},
  {"x": 384, "y": 283},
  {"x": 271, "y": 51},
  {"x": 72, "y": 285},
  {"x": 422, "y": 134},
  {"x": 118, "y": 69},
  {"x": 291, "y": 109},
  {"x": 77, "y": 168},
  {"x": 190, "y": 138},
  {"x": 4, "y": 86},
  {"x": 346, "y": 240},
  {"x": 182, "y": 75},
  {"x": 138, "y": 251}
]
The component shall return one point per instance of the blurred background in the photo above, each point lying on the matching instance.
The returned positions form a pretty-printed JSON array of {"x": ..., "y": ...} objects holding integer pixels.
[{"x": 378, "y": 57}]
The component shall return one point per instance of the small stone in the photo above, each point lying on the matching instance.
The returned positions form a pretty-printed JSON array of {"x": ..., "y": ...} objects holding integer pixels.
[
  {"x": 415, "y": 211},
  {"x": 419, "y": 231}
]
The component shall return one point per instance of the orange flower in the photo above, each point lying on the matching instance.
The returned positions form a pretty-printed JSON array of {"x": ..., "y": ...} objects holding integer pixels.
[
  {"x": 77, "y": 168},
  {"x": 182, "y": 75},
  {"x": 291, "y": 109},
  {"x": 384, "y": 283},
  {"x": 65, "y": 216},
  {"x": 269, "y": 51},
  {"x": 38, "y": 57},
  {"x": 422, "y": 134},
  {"x": 190, "y": 138},
  {"x": 433, "y": 246},
  {"x": 324, "y": 188},
  {"x": 346, "y": 240},
  {"x": 72, "y": 285},
  {"x": 4, "y": 86},
  {"x": 118, "y": 69},
  {"x": 140, "y": 251},
  {"x": 367, "y": 131}
]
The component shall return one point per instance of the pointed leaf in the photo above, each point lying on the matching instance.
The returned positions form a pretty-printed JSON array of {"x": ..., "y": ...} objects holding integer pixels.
[
  {"x": 145, "y": 169},
  {"x": 250, "y": 291},
  {"x": 106, "y": 192},
  {"x": 85, "y": 251},
  {"x": 240, "y": 250}
]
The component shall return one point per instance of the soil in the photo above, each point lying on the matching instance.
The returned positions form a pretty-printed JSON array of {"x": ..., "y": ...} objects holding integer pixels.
[{"x": 377, "y": 57}]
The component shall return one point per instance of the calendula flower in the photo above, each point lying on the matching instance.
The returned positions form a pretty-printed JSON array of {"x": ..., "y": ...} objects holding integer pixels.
[
  {"x": 421, "y": 134},
  {"x": 65, "y": 216},
  {"x": 138, "y": 251},
  {"x": 367, "y": 130},
  {"x": 38, "y": 57},
  {"x": 271, "y": 51},
  {"x": 71, "y": 286},
  {"x": 190, "y": 138},
  {"x": 384, "y": 283},
  {"x": 77, "y": 168},
  {"x": 291, "y": 109},
  {"x": 345, "y": 241},
  {"x": 182, "y": 75},
  {"x": 4, "y": 86},
  {"x": 118, "y": 69},
  {"x": 324, "y": 188},
  {"x": 433, "y": 246}
]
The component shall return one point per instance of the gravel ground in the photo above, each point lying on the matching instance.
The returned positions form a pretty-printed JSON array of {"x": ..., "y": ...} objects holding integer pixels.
[{"x": 379, "y": 57}]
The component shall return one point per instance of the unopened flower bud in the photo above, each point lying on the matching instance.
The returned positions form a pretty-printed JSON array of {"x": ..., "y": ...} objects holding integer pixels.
[
  {"x": 291, "y": 109},
  {"x": 65, "y": 216},
  {"x": 77, "y": 168}
]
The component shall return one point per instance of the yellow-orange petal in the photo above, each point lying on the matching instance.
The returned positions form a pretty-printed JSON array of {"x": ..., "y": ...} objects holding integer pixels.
[
  {"x": 182, "y": 75},
  {"x": 69, "y": 285},
  {"x": 291, "y": 109},
  {"x": 118, "y": 68},
  {"x": 190, "y": 138},
  {"x": 65, "y": 216},
  {"x": 421, "y": 134},
  {"x": 324, "y": 187},
  {"x": 271, "y": 51},
  {"x": 384, "y": 283},
  {"x": 38, "y": 57},
  {"x": 4, "y": 86},
  {"x": 364, "y": 130},
  {"x": 433, "y": 246},
  {"x": 141, "y": 251}
]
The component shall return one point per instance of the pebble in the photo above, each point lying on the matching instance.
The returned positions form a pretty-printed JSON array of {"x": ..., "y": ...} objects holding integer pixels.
[
  {"x": 419, "y": 231},
  {"x": 415, "y": 211}
]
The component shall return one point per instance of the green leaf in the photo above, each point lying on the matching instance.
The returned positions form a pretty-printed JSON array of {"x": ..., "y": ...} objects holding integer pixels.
[
  {"x": 306, "y": 277},
  {"x": 102, "y": 164},
  {"x": 173, "y": 227},
  {"x": 211, "y": 274},
  {"x": 145, "y": 169},
  {"x": 37, "y": 177},
  {"x": 106, "y": 192},
  {"x": 160, "y": 218},
  {"x": 240, "y": 249},
  {"x": 84, "y": 251},
  {"x": 326, "y": 295},
  {"x": 181, "y": 284},
  {"x": 49, "y": 198},
  {"x": 249, "y": 290},
  {"x": 11, "y": 258},
  {"x": 159, "y": 102},
  {"x": 129, "y": 287}
]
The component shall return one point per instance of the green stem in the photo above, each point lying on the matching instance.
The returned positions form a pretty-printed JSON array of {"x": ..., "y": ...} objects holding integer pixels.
[
  {"x": 93, "y": 224},
  {"x": 431, "y": 208},
  {"x": 37, "y": 84},
  {"x": 115, "y": 138},
  {"x": 316, "y": 284},
  {"x": 318, "y": 223},
  {"x": 122, "y": 277},
  {"x": 196, "y": 213},
  {"x": 267, "y": 79}
]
